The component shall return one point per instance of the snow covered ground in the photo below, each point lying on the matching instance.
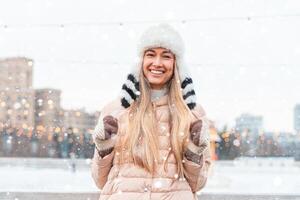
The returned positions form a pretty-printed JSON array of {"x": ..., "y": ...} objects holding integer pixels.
[
  {"x": 255, "y": 176},
  {"x": 244, "y": 176}
]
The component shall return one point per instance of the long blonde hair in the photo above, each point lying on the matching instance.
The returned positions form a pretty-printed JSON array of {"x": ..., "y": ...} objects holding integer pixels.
[{"x": 141, "y": 138}]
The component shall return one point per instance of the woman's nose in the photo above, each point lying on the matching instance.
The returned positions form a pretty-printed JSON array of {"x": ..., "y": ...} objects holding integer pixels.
[{"x": 157, "y": 61}]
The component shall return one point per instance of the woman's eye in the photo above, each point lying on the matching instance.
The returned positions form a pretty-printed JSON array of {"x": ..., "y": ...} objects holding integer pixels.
[
  {"x": 149, "y": 55},
  {"x": 167, "y": 56}
]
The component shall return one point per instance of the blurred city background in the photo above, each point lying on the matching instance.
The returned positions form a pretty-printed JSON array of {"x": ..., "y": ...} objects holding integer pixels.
[
  {"x": 34, "y": 124},
  {"x": 32, "y": 121}
]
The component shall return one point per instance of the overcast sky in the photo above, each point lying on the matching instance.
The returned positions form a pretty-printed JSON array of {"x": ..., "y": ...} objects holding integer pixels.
[{"x": 239, "y": 64}]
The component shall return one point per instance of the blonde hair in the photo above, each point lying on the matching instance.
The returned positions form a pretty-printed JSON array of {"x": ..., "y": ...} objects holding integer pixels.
[{"x": 141, "y": 139}]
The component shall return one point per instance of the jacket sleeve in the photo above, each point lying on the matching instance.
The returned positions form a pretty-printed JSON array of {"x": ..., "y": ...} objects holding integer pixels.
[
  {"x": 196, "y": 173},
  {"x": 101, "y": 168}
]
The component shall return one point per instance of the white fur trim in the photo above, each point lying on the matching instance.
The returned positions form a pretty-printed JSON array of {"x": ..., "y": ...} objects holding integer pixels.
[
  {"x": 126, "y": 96},
  {"x": 136, "y": 67},
  {"x": 204, "y": 135},
  {"x": 182, "y": 69},
  {"x": 162, "y": 35},
  {"x": 130, "y": 85},
  {"x": 188, "y": 88},
  {"x": 99, "y": 129},
  {"x": 196, "y": 149}
]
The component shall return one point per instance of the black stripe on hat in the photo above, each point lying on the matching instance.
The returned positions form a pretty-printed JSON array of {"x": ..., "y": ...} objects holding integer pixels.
[
  {"x": 134, "y": 81},
  {"x": 137, "y": 86},
  {"x": 189, "y": 93},
  {"x": 129, "y": 91},
  {"x": 132, "y": 78},
  {"x": 186, "y": 81},
  {"x": 125, "y": 103},
  {"x": 191, "y": 105}
]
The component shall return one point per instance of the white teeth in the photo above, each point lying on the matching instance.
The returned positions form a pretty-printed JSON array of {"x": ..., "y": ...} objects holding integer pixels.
[{"x": 156, "y": 72}]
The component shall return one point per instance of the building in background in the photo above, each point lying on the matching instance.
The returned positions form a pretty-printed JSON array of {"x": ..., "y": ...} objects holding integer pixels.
[
  {"x": 297, "y": 118},
  {"x": 48, "y": 112},
  {"x": 79, "y": 120},
  {"x": 248, "y": 122},
  {"x": 16, "y": 93},
  {"x": 76, "y": 133},
  {"x": 33, "y": 123}
]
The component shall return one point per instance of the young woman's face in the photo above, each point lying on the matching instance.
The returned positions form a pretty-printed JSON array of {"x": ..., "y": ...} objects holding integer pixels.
[{"x": 158, "y": 66}]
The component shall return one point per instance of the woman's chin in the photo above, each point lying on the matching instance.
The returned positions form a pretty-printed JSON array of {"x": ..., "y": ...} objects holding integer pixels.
[{"x": 155, "y": 82}]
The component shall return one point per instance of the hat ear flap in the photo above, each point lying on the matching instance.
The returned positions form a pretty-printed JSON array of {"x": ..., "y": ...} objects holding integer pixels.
[
  {"x": 188, "y": 92},
  {"x": 130, "y": 90},
  {"x": 187, "y": 86}
]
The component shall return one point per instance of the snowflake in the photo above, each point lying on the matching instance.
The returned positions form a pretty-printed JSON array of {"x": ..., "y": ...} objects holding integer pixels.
[
  {"x": 119, "y": 192},
  {"x": 88, "y": 161},
  {"x": 163, "y": 128},
  {"x": 236, "y": 142},
  {"x": 175, "y": 176},
  {"x": 40, "y": 102},
  {"x": 158, "y": 184},
  {"x": 50, "y": 102},
  {"x": 23, "y": 101},
  {"x": 17, "y": 105},
  {"x": 182, "y": 179}
]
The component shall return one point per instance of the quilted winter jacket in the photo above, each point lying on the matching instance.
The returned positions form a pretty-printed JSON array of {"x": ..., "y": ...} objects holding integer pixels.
[{"x": 127, "y": 181}]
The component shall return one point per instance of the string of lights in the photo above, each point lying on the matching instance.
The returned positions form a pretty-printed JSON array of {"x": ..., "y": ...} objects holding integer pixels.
[
  {"x": 109, "y": 63},
  {"x": 124, "y": 23}
]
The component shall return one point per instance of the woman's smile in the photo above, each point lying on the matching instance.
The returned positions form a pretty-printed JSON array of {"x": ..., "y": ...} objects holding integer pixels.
[{"x": 156, "y": 72}]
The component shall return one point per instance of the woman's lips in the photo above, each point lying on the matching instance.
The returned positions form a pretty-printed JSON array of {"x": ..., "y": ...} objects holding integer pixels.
[{"x": 156, "y": 72}]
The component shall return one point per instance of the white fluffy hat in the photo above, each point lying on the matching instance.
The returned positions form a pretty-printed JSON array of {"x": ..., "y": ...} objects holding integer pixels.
[{"x": 165, "y": 36}]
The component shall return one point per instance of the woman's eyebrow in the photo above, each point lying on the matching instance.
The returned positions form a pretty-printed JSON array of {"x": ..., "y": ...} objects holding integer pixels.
[
  {"x": 150, "y": 51},
  {"x": 167, "y": 51}
]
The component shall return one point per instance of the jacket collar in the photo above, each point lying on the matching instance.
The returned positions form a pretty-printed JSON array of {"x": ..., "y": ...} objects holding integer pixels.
[{"x": 161, "y": 101}]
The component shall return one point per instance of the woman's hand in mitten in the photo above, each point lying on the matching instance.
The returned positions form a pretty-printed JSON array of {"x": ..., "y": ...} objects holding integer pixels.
[
  {"x": 196, "y": 138},
  {"x": 104, "y": 131},
  {"x": 195, "y": 132},
  {"x": 110, "y": 126}
]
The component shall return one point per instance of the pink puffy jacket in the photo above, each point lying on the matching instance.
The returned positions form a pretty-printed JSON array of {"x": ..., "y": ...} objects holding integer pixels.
[{"x": 127, "y": 181}]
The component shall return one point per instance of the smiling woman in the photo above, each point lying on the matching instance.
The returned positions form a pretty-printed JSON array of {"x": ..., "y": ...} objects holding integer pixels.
[
  {"x": 152, "y": 143},
  {"x": 158, "y": 66}
]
